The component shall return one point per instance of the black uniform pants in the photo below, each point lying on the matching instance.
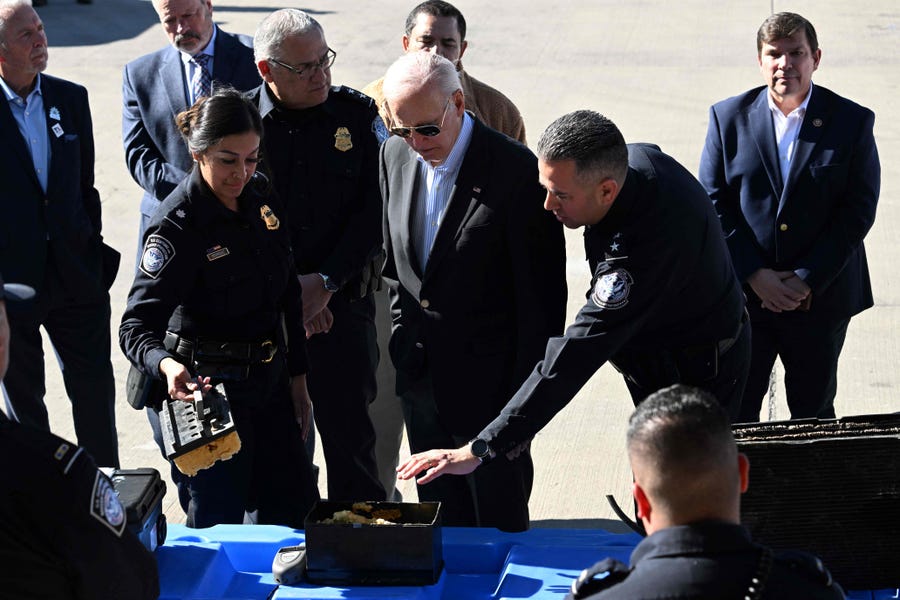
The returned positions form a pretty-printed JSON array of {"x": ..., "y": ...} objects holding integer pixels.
[
  {"x": 494, "y": 495},
  {"x": 341, "y": 383},
  {"x": 271, "y": 473},
  {"x": 80, "y": 336},
  {"x": 809, "y": 346},
  {"x": 727, "y": 386}
]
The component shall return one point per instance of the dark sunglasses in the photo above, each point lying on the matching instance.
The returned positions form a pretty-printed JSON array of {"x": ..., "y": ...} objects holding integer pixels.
[{"x": 425, "y": 130}]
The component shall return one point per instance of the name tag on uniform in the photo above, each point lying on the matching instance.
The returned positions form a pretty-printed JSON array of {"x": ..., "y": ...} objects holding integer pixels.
[
  {"x": 216, "y": 252},
  {"x": 57, "y": 129}
]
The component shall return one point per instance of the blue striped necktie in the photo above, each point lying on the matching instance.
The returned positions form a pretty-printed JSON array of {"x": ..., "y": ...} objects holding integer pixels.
[{"x": 201, "y": 82}]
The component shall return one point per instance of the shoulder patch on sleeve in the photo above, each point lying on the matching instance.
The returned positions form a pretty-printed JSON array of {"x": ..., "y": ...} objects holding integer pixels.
[
  {"x": 603, "y": 575},
  {"x": 105, "y": 505},
  {"x": 611, "y": 290},
  {"x": 380, "y": 129},
  {"x": 158, "y": 252}
]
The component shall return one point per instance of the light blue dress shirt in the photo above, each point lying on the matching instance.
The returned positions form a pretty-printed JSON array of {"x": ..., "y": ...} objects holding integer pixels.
[
  {"x": 436, "y": 185},
  {"x": 31, "y": 118}
]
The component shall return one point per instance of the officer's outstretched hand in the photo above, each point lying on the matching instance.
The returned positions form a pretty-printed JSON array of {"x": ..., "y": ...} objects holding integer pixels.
[
  {"x": 300, "y": 397},
  {"x": 179, "y": 381},
  {"x": 438, "y": 462}
]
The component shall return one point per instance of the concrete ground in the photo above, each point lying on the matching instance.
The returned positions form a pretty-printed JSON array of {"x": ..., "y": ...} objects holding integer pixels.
[{"x": 652, "y": 66}]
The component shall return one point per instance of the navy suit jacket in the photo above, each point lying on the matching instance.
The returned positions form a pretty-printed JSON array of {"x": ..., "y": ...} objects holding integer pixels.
[
  {"x": 63, "y": 224},
  {"x": 812, "y": 221},
  {"x": 478, "y": 317},
  {"x": 154, "y": 91}
]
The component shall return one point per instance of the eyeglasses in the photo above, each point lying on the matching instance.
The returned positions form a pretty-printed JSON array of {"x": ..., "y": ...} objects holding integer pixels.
[
  {"x": 426, "y": 130},
  {"x": 307, "y": 69}
]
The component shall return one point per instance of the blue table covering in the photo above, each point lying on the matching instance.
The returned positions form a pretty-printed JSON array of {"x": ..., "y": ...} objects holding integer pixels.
[{"x": 232, "y": 562}]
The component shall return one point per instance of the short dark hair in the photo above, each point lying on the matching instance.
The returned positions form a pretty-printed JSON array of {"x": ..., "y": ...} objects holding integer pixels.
[
  {"x": 783, "y": 25},
  {"x": 437, "y": 8},
  {"x": 225, "y": 112},
  {"x": 591, "y": 140},
  {"x": 684, "y": 426}
]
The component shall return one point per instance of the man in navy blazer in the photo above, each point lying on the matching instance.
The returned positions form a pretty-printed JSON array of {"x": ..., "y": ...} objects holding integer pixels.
[
  {"x": 476, "y": 270},
  {"x": 157, "y": 86},
  {"x": 50, "y": 238},
  {"x": 794, "y": 174}
]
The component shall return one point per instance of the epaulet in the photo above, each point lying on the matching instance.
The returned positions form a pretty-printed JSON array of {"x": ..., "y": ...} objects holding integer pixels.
[
  {"x": 603, "y": 575},
  {"x": 64, "y": 455},
  {"x": 806, "y": 564},
  {"x": 348, "y": 92}
]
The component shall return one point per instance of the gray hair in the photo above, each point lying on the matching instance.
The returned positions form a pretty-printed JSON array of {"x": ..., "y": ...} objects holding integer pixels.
[
  {"x": 277, "y": 27},
  {"x": 591, "y": 140},
  {"x": 7, "y": 8},
  {"x": 416, "y": 71}
]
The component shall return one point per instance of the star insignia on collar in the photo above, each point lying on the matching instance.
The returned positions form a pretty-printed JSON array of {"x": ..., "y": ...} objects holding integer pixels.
[
  {"x": 614, "y": 246},
  {"x": 180, "y": 213}
]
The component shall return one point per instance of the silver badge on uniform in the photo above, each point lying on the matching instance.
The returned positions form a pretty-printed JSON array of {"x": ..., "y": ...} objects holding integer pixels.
[
  {"x": 54, "y": 113},
  {"x": 158, "y": 252},
  {"x": 105, "y": 505},
  {"x": 612, "y": 289}
]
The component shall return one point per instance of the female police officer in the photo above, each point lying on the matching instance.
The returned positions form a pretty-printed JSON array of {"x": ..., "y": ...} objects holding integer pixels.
[{"x": 216, "y": 281}]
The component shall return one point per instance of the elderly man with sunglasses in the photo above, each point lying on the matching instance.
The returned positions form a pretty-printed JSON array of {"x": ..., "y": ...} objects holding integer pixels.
[
  {"x": 321, "y": 152},
  {"x": 476, "y": 270}
]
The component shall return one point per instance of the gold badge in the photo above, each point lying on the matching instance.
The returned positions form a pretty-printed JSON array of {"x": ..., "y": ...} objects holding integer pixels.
[
  {"x": 342, "y": 139},
  {"x": 269, "y": 217}
]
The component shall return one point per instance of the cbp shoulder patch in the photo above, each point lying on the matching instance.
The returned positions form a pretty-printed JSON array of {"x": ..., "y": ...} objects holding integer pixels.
[
  {"x": 158, "y": 252},
  {"x": 380, "y": 129},
  {"x": 105, "y": 505},
  {"x": 611, "y": 290}
]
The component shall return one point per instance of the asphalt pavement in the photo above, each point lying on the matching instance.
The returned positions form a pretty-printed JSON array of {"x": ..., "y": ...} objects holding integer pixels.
[{"x": 652, "y": 66}]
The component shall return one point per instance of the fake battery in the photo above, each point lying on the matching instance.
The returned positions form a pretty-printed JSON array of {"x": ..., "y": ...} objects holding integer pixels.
[{"x": 141, "y": 492}]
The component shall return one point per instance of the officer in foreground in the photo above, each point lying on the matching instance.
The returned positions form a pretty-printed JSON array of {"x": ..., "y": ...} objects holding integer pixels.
[
  {"x": 688, "y": 479},
  {"x": 664, "y": 306},
  {"x": 62, "y": 528}
]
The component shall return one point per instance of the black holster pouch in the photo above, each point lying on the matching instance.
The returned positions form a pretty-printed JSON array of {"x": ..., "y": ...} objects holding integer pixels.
[{"x": 142, "y": 390}]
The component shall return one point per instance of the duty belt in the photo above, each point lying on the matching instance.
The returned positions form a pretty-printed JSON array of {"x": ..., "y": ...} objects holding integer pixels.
[{"x": 217, "y": 351}]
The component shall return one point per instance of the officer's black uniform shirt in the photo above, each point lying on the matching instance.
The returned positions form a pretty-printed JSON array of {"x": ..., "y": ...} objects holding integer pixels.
[
  {"x": 62, "y": 528},
  {"x": 711, "y": 560},
  {"x": 330, "y": 152},
  {"x": 662, "y": 280},
  {"x": 208, "y": 272}
]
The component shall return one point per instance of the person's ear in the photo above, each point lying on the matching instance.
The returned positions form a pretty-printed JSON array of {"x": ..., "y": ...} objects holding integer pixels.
[
  {"x": 462, "y": 50},
  {"x": 644, "y": 509},
  {"x": 265, "y": 70},
  {"x": 405, "y": 42},
  {"x": 744, "y": 471},
  {"x": 607, "y": 190}
]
